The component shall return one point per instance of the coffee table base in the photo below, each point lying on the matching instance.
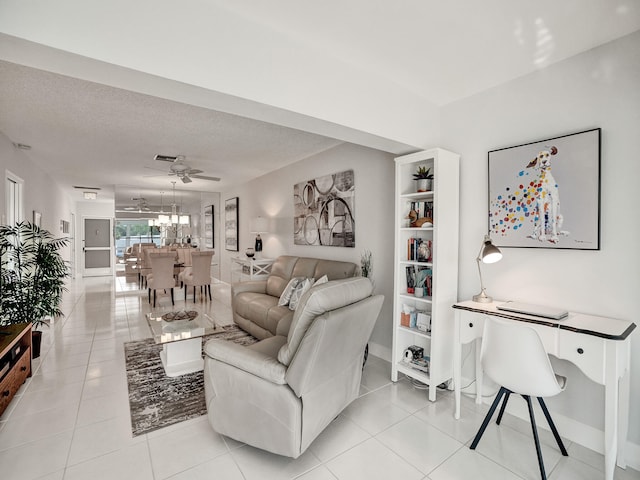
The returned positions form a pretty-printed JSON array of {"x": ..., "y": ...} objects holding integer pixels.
[{"x": 182, "y": 357}]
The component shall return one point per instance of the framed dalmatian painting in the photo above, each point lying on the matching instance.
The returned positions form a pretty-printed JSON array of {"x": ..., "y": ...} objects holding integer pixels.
[{"x": 546, "y": 194}]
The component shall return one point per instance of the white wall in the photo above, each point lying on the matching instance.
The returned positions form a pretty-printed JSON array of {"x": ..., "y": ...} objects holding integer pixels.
[
  {"x": 271, "y": 196},
  {"x": 41, "y": 192},
  {"x": 600, "y": 88}
]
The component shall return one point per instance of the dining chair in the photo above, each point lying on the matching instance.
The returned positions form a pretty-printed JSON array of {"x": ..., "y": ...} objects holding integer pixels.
[
  {"x": 161, "y": 276},
  {"x": 200, "y": 273},
  {"x": 185, "y": 259},
  {"x": 145, "y": 265},
  {"x": 513, "y": 356}
]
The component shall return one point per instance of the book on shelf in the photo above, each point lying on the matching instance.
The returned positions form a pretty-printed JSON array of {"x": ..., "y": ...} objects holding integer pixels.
[
  {"x": 423, "y": 209},
  {"x": 419, "y": 276},
  {"x": 419, "y": 249},
  {"x": 421, "y": 364}
]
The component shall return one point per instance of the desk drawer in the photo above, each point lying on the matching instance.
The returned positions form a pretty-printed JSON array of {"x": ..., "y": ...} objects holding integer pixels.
[
  {"x": 587, "y": 352},
  {"x": 471, "y": 326}
]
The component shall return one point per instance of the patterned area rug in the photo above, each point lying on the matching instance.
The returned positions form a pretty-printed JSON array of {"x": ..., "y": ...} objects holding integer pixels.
[{"x": 157, "y": 401}]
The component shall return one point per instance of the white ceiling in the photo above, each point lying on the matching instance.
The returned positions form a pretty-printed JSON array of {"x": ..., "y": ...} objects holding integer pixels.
[{"x": 91, "y": 134}]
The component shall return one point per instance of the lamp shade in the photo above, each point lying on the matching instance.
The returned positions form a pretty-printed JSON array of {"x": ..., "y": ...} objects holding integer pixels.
[
  {"x": 259, "y": 225},
  {"x": 490, "y": 253}
]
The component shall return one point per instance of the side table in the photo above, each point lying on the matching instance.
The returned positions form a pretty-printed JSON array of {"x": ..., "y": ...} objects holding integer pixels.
[{"x": 245, "y": 269}]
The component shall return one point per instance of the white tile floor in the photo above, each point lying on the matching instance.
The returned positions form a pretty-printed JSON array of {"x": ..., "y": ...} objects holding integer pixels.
[{"x": 71, "y": 419}]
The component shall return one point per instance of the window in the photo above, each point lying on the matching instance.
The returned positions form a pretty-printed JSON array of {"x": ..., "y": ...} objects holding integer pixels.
[{"x": 129, "y": 232}]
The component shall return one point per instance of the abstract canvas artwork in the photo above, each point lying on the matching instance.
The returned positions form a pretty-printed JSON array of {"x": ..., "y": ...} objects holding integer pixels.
[
  {"x": 324, "y": 211},
  {"x": 231, "y": 224},
  {"x": 546, "y": 194}
]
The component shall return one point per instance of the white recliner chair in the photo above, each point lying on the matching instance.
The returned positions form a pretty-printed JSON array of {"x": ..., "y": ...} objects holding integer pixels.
[{"x": 281, "y": 393}]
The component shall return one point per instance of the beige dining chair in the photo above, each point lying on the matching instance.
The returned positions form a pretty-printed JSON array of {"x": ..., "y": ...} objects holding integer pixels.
[
  {"x": 161, "y": 276},
  {"x": 200, "y": 273}
]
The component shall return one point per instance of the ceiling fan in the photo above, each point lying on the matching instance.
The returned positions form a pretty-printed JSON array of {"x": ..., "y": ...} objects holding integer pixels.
[
  {"x": 182, "y": 170},
  {"x": 141, "y": 205}
]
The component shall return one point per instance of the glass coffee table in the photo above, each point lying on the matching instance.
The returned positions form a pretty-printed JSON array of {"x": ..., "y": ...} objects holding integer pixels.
[{"x": 180, "y": 334}]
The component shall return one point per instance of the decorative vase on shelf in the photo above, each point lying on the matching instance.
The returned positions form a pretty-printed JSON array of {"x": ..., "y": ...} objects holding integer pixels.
[{"x": 250, "y": 252}]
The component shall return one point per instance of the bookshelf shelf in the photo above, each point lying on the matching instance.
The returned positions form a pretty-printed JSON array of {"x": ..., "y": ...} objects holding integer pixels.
[{"x": 438, "y": 245}]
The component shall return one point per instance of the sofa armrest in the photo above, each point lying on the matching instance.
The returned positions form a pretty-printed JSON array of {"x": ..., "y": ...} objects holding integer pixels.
[
  {"x": 254, "y": 286},
  {"x": 251, "y": 361}
]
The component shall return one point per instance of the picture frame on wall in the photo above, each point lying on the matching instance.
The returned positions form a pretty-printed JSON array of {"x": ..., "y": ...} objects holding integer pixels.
[
  {"x": 546, "y": 194},
  {"x": 231, "y": 241},
  {"x": 37, "y": 218},
  {"x": 209, "y": 228}
]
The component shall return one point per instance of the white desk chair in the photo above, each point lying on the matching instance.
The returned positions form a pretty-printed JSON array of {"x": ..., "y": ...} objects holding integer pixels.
[{"x": 513, "y": 356}]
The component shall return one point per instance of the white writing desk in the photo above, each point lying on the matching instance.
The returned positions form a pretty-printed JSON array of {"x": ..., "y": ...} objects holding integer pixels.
[{"x": 598, "y": 346}]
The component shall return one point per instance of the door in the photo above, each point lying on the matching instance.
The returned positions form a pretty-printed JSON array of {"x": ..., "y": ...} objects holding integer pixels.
[{"x": 97, "y": 247}]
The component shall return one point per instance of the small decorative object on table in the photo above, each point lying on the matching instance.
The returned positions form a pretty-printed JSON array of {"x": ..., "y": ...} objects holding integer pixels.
[
  {"x": 181, "y": 315},
  {"x": 250, "y": 252}
]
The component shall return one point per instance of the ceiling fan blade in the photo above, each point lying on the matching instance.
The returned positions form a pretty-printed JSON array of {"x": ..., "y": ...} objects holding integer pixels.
[
  {"x": 186, "y": 179},
  {"x": 204, "y": 177},
  {"x": 194, "y": 171},
  {"x": 156, "y": 169}
]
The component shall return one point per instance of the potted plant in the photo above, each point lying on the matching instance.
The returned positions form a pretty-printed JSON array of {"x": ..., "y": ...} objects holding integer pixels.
[
  {"x": 32, "y": 278},
  {"x": 424, "y": 179}
]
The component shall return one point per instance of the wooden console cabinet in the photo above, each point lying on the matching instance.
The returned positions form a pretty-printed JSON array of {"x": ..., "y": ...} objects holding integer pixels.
[{"x": 15, "y": 360}]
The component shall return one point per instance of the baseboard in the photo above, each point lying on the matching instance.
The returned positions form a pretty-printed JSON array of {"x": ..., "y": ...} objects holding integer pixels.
[
  {"x": 577, "y": 432},
  {"x": 380, "y": 351}
]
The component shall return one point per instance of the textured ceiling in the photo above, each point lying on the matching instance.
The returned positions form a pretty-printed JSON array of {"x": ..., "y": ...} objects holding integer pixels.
[
  {"x": 93, "y": 135},
  {"x": 86, "y": 133}
]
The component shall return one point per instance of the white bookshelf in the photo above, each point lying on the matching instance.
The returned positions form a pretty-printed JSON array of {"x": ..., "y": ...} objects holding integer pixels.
[{"x": 437, "y": 343}]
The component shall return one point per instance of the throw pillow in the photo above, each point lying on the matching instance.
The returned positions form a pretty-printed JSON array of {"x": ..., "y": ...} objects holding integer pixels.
[
  {"x": 321, "y": 280},
  {"x": 288, "y": 290},
  {"x": 299, "y": 291}
]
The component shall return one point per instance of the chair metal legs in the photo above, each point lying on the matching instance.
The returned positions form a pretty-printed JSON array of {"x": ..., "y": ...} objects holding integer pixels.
[
  {"x": 487, "y": 419},
  {"x": 504, "y": 405},
  {"x": 505, "y": 393},
  {"x": 536, "y": 440},
  {"x": 552, "y": 426}
]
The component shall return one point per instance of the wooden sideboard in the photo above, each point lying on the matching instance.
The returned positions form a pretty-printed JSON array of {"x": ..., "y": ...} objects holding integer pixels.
[{"x": 15, "y": 360}]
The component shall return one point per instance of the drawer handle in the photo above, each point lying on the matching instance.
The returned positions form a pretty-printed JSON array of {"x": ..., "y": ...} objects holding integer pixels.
[
  {"x": 470, "y": 324},
  {"x": 580, "y": 351},
  {"x": 6, "y": 393}
]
